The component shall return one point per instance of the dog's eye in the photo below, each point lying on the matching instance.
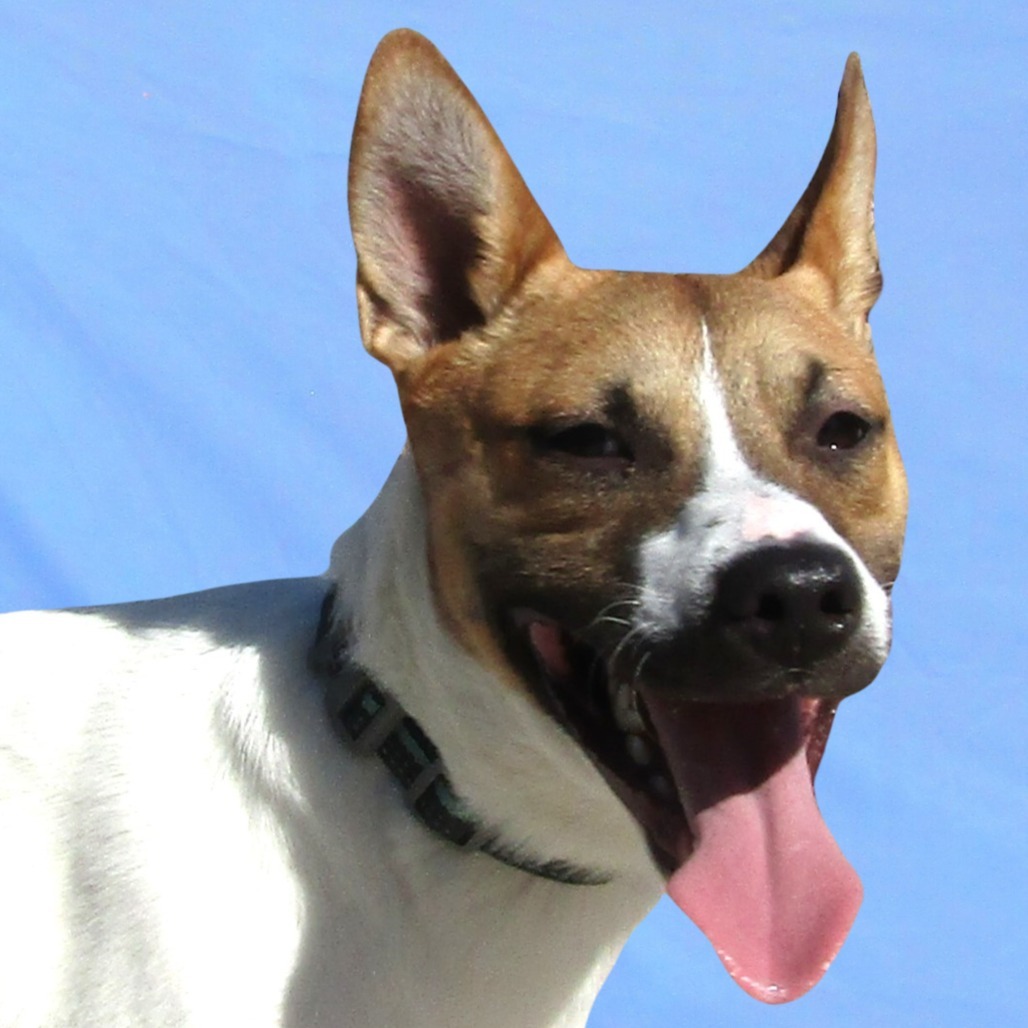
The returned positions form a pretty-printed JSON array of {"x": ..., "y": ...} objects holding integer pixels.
[
  {"x": 589, "y": 441},
  {"x": 843, "y": 430}
]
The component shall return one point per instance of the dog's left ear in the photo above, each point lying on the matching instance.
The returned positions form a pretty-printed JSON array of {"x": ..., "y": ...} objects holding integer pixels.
[
  {"x": 444, "y": 226},
  {"x": 830, "y": 233}
]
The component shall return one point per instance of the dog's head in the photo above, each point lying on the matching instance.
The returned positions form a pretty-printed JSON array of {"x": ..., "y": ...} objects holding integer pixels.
[{"x": 669, "y": 507}]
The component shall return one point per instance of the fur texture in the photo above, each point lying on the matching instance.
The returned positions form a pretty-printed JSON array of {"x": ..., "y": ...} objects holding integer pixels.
[{"x": 186, "y": 841}]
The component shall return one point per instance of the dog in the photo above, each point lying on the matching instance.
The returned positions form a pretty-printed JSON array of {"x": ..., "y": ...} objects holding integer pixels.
[{"x": 584, "y": 648}]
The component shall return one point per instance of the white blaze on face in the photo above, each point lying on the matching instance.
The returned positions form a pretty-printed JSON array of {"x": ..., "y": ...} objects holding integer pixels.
[{"x": 734, "y": 511}]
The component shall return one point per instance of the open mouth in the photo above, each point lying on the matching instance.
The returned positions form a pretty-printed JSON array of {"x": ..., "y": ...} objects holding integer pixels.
[
  {"x": 723, "y": 793},
  {"x": 609, "y": 720}
]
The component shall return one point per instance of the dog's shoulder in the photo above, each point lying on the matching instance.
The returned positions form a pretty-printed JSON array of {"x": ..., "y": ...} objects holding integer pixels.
[
  {"x": 148, "y": 763},
  {"x": 57, "y": 664},
  {"x": 97, "y": 687},
  {"x": 249, "y": 614}
]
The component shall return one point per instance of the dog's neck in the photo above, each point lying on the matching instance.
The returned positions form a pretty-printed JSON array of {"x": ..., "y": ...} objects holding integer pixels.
[
  {"x": 490, "y": 733},
  {"x": 372, "y": 723}
]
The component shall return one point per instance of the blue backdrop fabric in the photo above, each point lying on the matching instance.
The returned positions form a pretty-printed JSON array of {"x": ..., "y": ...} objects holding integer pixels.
[{"x": 185, "y": 400}]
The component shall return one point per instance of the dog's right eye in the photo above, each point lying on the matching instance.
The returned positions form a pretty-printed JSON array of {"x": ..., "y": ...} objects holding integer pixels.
[
  {"x": 589, "y": 441},
  {"x": 843, "y": 430}
]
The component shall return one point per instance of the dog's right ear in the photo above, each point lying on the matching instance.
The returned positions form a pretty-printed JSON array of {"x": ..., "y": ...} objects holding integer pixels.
[{"x": 445, "y": 228}]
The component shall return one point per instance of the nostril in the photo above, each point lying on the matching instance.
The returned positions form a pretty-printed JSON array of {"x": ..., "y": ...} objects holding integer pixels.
[
  {"x": 791, "y": 604},
  {"x": 770, "y": 607},
  {"x": 836, "y": 604}
]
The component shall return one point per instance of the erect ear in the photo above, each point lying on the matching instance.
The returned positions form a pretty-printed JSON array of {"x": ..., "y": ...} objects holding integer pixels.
[
  {"x": 445, "y": 228},
  {"x": 831, "y": 230}
]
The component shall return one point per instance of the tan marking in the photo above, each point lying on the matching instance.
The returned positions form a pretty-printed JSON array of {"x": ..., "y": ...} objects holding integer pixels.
[{"x": 539, "y": 339}]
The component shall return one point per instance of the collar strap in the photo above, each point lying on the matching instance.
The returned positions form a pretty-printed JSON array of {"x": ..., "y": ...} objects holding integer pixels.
[{"x": 370, "y": 721}]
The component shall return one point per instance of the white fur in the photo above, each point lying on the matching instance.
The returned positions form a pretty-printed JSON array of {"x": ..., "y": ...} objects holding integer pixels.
[
  {"x": 186, "y": 843},
  {"x": 734, "y": 510}
]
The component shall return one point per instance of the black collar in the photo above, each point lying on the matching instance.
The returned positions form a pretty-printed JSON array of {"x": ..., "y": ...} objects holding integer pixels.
[{"x": 371, "y": 721}]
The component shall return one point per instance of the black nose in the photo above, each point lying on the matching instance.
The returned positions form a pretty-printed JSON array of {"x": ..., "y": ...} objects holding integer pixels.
[{"x": 793, "y": 604}]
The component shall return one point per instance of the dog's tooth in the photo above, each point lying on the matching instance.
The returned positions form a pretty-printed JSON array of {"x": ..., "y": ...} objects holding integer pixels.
[
  {"x": 638, "y": 749},
  {"x": 626, "y": 713}
]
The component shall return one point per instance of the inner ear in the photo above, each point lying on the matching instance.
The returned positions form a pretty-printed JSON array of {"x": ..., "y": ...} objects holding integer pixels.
[
  {"x": 441, "y": 242},
  {"x": 444, "y": 227},
  {"x": 831, "y": 229}
]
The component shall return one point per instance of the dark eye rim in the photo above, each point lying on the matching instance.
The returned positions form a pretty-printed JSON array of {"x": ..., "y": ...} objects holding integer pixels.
[{"x": 591, "y": 443}]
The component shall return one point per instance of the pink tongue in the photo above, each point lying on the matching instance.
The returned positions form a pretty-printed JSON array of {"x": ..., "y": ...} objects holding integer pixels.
[{"x": 766, "y": 882}]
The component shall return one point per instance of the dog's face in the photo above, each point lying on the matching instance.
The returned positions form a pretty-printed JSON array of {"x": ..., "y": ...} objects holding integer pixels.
[{"x": 669, "y": 507}]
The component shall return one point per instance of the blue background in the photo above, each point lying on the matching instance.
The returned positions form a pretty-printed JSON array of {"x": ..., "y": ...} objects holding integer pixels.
[{"x": 185, "y": 401}]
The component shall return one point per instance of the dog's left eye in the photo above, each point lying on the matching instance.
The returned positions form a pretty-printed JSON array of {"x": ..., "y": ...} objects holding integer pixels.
[
  {"x": 843, "y": 430},
  {"x": 589, "y": 441}
]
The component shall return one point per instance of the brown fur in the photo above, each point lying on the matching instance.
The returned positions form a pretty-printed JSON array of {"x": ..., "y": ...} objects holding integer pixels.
[{"x": 466, "y": 294}]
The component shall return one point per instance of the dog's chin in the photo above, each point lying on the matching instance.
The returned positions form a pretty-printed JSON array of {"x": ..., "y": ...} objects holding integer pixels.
[{"x": 620, "y": 718}]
